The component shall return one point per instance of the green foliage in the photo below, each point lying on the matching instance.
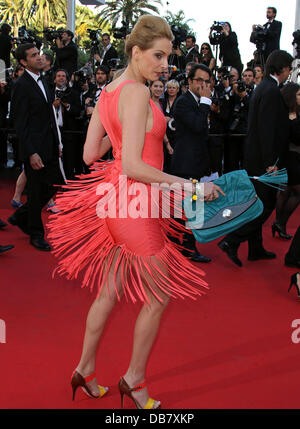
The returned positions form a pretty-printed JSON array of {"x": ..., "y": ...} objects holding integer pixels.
[
  {"x": 180, "y": 20},
  {"x": 116, "y": 11}
]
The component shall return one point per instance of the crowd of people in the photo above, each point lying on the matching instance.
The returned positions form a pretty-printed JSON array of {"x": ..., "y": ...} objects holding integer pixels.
[
  {"x": 218, "y": 120},
  {"x": 224, "y": 125}
]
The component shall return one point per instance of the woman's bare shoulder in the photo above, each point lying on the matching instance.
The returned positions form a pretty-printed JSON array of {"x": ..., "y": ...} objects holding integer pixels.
[{"x": 134, "y": 89}]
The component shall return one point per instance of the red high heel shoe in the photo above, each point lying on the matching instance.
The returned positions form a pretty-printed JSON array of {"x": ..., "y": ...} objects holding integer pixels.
[
  {"x": 78, "y": 381},
  {"x": 126, "y": 390}
]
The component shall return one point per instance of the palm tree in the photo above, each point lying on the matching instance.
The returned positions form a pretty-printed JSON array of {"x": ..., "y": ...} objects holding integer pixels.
[
  {"x": 46, "y": 13},
  {"x": 12, "y": 12},
  {"x": 179, "y": 20},
  {"x": 128, "y": 10}
]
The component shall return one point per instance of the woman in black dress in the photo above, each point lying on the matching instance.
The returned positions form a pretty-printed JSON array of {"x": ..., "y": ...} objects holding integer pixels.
[
  {"x": 207, "y": 57},
  {"x": 171, "y": 95},
  {"x": 289, "y": 200}
]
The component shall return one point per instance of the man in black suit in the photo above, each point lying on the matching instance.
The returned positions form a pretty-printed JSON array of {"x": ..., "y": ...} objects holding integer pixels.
[
  {"x": 7, "y": 247},
  {"x": 265, "y": 150},
  {"x": 37, "y": 132},
  {"x": 272, "y": 33},
  {"x": 66, "y": 53},
  {"x": 191, "y": 155},
  {"x": 108, "y": 53},
  {"x": 192, "y": 55}
]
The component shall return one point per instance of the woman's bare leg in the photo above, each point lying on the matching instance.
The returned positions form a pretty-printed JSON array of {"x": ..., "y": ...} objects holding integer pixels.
[
  {"x": 20, "y": 186},
  {"x": 96, "y": 320},
  {"x": 145, "y": 333}
]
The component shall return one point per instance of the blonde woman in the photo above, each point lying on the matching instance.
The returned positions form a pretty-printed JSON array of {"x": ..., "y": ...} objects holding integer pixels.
[{"x": 124, "y": 255}]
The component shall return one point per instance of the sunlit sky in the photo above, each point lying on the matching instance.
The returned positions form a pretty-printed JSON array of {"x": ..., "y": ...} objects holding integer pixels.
[{"x": 242, "y": 15}]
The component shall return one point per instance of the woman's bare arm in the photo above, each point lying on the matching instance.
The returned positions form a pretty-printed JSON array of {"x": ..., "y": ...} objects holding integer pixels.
[{"x": 96, "y": 145}]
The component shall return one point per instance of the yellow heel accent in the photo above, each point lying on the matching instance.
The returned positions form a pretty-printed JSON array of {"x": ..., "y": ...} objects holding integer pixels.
[
  {"x": 102, "y": 391},
  {"x": 150, "y": 404}
]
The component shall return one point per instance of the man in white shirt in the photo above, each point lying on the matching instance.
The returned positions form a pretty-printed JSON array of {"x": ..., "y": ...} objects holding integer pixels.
[{"x": 108, "y": 52}]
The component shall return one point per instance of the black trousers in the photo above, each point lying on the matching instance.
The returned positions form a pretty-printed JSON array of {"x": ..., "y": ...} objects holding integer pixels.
[
  {"x": 252, "y": 232},
  {"x": 72, "y": 154},
  {"x": 294, "y": 251},
  {"x": 216, "y": 154},
  {"x": 40, "y": 191},
  {"x": 233, "y": 154}
]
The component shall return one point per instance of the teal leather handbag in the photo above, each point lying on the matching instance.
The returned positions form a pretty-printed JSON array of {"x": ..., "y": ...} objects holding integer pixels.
[{"x": 240, "y": 205}]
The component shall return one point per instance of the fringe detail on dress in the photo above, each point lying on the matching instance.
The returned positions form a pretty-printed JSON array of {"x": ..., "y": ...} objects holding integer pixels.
[{"x": 82, "y": 243}]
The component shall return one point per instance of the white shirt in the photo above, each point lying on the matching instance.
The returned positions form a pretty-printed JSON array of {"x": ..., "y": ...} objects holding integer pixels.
[
  {"x": 104, "y": 52},
  {"x": 203, "y": 100},
  {"x": 39, "y": 82},
  {"x": 275, "y": 78}
]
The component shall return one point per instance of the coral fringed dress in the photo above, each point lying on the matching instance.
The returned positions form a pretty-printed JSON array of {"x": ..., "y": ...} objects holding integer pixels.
[{"x": 137, "y": 251}]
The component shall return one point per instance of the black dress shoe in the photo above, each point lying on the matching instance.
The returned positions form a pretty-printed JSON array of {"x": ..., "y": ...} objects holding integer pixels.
[
  {"x": 262, "y": 255},
  {"x": 197, "y": 257},
  {"x": 292, "y": 263},
  {"x": 2, "y": 224},
  {"x": 231, "y": 252},
  {"x": 13, "y": 221},
  {"x": 40, "y": 244},
  {"x": 6, "y": 248}
]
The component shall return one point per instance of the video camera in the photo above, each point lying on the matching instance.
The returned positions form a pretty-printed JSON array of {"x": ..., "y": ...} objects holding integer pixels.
[
  {"x": 260, "y": 34},
  {"x": 27, "y": 36},
  {"x": 94, "y": 36},
  {"x": 122, "y": 32},
  {"x": 180, "y": 35},
  {"x": 51, "y": 34},
  {"x": 216, "y": 32}
]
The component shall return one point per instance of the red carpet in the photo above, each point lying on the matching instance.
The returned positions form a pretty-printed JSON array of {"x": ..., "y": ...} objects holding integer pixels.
[{"x": 230, "y": 349}]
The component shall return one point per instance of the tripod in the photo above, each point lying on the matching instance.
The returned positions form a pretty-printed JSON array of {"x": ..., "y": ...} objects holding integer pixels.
[
  {"x": 94, "y": 51},
  {"x": 260, "y": 55}
]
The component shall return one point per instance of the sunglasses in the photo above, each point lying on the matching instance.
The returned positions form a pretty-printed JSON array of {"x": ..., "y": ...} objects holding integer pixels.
[{"x": 204, "y": 49}]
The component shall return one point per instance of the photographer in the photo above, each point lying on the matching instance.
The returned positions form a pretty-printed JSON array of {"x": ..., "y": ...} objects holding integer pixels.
[
  {"x": 177, "y": 58},
  {"x": 5, "y": 44},
  {"x": 108, "y": 53},
  {"x": 48, "y": 70},
  {"x": 218, "y": 121},
  {"x": 267, "y": 37},
  {"x": 102, "y": 79},
  {"x": 66, "y": 52},
  {"x": 240, "y": 98},
  {"x": 192, "y": 55},
  {"x": 229, "y": 48},
  {"x": 67, "y": 107}
]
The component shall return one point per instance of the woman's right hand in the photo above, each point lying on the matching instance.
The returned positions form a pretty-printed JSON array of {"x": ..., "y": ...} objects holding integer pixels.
[{"x": 293, "y": 115}]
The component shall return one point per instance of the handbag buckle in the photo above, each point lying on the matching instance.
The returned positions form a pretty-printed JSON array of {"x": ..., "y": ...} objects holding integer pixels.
[{"x": 227, "y": 213}]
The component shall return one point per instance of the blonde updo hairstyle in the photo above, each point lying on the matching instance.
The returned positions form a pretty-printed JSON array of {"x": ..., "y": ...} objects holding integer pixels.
[{"x": 146, "y": 30}]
